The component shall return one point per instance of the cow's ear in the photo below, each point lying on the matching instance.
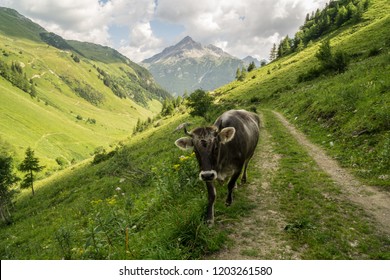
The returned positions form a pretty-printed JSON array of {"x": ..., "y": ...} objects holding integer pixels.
[
  {"x": 227, "y": 134},
  {"x": 184, "y": 143}
]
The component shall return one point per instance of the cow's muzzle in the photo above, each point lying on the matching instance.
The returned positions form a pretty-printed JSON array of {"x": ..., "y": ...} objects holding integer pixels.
[{"x": 210, "y": 175}]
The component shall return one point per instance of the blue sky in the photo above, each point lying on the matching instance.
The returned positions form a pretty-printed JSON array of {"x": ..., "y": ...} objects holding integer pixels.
[{"x": 141, "y": 28}]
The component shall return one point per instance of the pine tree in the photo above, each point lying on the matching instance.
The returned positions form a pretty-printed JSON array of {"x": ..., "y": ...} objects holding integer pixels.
[
  {"x": 33, "y": 91},
  {"x": 238, "y": 73},
  {"x": 341, "y": 16},
  {"x": 29, "y": 165},
  {"x": 251, "y": 66},
  {"x": 243, "y": 74},
  {"x": 273, "y": 53},
  {"x": 324, "y": 54},
  {"x": 7, "y": 179}
]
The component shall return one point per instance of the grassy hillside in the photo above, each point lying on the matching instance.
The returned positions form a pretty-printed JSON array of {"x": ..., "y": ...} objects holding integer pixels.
[
  {"x": 348, "y": 113},
  {"x": 80, "y": 102},
  {"x": 125, "y": 207}
]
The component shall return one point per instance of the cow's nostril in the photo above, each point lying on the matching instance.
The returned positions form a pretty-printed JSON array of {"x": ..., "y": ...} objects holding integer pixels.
[{"x": 208, "y": 175}]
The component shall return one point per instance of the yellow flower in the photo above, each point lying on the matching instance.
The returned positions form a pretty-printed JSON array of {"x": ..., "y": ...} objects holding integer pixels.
[
  {"x": 96, "y": 202},
  {"x": 183, "y": 158},
  {"x": 111, "y": 200},
  {"x": 176, "y": 167}
]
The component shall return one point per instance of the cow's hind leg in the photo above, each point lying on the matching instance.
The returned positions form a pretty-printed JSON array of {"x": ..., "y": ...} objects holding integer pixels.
[
  {"x": 243, "y": 178},
  {"x": 231, "y": 185}
]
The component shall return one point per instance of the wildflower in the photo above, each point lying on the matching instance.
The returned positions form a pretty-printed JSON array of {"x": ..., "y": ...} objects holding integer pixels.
[
  {"x": 111, "y": 201},
  {"x": 176, "y": 167},
  {"x": 96, "y": 202},
  {"x": 183, "y": 158},
  {"x": 118, "y": 189}
]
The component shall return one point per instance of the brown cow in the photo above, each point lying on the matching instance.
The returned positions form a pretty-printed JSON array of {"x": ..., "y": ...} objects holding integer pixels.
[{"x": 223, "y": 150}]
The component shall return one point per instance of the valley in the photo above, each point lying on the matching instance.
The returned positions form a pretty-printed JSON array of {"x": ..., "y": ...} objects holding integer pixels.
[{"x": 78, "y": 104}]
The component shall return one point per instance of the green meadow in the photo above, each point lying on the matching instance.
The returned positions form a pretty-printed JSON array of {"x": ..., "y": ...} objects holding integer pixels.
[{"x": 60, "y": 122}]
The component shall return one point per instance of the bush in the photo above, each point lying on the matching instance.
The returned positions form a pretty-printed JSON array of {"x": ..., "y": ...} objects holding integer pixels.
[
  {"x": 332, "y": 62},
  {"x": 61, "y": 161},
  {"x": 201, "y": 103},
  {"x": 337, "y": 62},
  {"x": 340, "y": 62},
  {"x": 101, "y": 155},
  {"x": 311, "y": 74}
]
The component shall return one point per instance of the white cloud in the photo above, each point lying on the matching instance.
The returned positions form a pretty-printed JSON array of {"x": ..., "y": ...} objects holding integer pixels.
[
  {"x": 90, "y": 20},
  {"x": 245, "y": 27}
]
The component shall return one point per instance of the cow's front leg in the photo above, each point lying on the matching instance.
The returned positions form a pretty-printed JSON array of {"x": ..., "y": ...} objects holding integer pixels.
[
  {"x": 211, "y": 200},
  {"x": 231, "y": 185}
]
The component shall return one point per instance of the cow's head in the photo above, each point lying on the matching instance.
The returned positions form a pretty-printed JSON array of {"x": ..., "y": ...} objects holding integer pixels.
[{"x": 206, "y": 142}]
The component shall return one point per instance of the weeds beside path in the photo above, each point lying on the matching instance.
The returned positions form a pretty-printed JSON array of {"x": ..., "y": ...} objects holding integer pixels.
[
  {"x": 374, "y": 201},
  {"x": 306, "y": 206}
]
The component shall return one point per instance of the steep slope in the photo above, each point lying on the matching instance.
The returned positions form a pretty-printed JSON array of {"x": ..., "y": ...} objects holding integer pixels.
[
  {"x": 347, "y": 113},
  {"x": 188, "y": 65},
  {"x": 14, "y": 24},
  {"x": 65, "y": 101}
]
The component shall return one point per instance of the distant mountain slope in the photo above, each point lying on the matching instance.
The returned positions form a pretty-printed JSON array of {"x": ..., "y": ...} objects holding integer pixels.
[
  {"x": 249, "y": 59},
  {"x": 188, "y": 65},
  {"x": 65, "y": 98},
  {"x": 15, "y": 25}
]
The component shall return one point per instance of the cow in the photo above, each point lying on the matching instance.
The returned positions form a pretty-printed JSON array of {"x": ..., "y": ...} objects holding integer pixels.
[{"x": 223, "y": 150}]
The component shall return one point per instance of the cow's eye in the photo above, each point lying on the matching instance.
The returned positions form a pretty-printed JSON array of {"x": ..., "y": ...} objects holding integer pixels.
[{"x": 203, "y": 143}]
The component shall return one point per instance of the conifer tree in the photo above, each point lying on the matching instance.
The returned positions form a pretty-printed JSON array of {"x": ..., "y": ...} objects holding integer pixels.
[
  {"x": 238, "y": 73},
  {"x": 273, "y": 53},
  {"x": 29, "y": 165},
  {"x": 7, "y": 179},
  {"x": 251, "y": 66}
]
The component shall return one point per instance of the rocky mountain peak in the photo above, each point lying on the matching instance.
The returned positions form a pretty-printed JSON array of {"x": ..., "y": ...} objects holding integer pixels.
[
  {"x": 186, "y": 48},
  {"x": 189, "y": 65}
]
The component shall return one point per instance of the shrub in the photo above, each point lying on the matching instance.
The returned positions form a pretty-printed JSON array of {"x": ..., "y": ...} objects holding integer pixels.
[
  {"x": 332, "y": 62},
  {"x": 340, "y": 62},
  {"x": 200, "y": 102},
  {"x": 61, "y": 161}
]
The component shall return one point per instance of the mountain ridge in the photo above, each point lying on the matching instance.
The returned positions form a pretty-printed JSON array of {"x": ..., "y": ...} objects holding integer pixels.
[
  {"x": 65, "y": 98},
  {"x": 188, "y": 65},
  {"x": 189, "y": 48}
]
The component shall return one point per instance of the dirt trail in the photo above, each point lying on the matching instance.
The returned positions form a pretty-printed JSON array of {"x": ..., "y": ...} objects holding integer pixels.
[
  {"x": 374, "y": 201},
  {"x": 260, "y": 234}
]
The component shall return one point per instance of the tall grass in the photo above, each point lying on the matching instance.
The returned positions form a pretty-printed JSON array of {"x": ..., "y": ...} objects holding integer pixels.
[{"x": 145, "y": 202}]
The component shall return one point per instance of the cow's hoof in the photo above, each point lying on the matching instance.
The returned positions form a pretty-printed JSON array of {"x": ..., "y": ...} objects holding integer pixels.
[
  {"x": 228, "y": 203},
  {"x": 210, "y": 223}
]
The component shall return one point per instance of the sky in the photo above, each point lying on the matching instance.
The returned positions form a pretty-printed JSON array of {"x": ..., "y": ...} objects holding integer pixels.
[{"x": 140, "y": 29}]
